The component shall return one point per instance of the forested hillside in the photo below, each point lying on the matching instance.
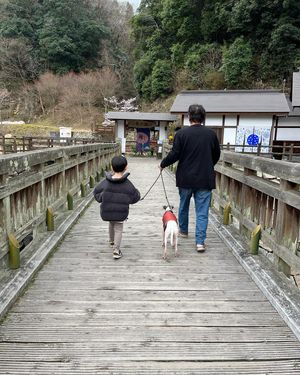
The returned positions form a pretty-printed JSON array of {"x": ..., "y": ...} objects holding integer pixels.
[
  {"x": 60, "y": 58},
  {"x": 214, "y": 44}
]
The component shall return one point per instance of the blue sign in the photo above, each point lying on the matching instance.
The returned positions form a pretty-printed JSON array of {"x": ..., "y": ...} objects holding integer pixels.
[{"x": 253, "y": 140}]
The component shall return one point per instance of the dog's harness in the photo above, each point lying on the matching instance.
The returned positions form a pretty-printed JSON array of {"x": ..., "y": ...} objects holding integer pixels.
[{"x": 168, "y": 216}]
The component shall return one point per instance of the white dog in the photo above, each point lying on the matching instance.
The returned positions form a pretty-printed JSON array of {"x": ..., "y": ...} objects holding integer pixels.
[{"x": 170, "y": 230}]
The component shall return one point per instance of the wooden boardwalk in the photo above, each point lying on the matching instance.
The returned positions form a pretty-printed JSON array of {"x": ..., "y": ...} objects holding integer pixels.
[{"x": 86, "y": 313}]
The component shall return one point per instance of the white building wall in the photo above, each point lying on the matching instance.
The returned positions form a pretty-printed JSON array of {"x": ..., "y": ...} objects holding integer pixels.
[
  {"x": 214, "y": 120},
  {"x": 121, "y": 134},
  {"x": 264, "y": 121},
  {"x": 162, "y": 130},
  {"x": 120, "y": 129},
  {"x": 211, "y": 120},
  {"x": 292, "y": 130},
  {"x": 289, "y": 121},
  {"x": 229, "y": 136},
  {"x": 186, "y": 121},
  {"x": 288, "y": 134},
  {"x": 230, "y": 120}
]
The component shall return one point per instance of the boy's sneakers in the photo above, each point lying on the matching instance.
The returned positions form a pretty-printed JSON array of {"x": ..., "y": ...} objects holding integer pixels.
[
  {"x": 200, "y": 248},
  {"x": 117, "y": 254},
  {"x": 111, "y": 243}
]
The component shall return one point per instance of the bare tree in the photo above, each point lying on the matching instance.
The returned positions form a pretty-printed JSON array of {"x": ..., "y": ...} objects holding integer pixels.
[
  {"x": 17, "y": 67},
  {"x": 49, "y": 90},
  {"x": 4, "y": 95}
]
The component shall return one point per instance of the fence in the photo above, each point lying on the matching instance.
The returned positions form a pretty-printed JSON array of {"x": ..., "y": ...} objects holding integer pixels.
[
  {"x": 265, "y": 192},
  {"x": 32, "y": 182},
  {"x": 280, "y": 150},
  {"x": 21, "y": 144}
]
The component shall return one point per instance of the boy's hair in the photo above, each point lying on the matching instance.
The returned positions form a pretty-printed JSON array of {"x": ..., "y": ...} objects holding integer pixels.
[
  {"x": 196, "y": 113},
  {"x": 118, "y": 163}
]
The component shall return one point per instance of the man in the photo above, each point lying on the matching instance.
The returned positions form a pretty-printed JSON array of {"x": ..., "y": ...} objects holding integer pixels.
[{"x": 197, "y": 150}]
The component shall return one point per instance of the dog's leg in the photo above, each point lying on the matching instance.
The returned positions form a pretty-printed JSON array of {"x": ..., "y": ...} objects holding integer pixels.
[
  {"x": 165, "y": 245},
  {"x": 175, "y": 244}
]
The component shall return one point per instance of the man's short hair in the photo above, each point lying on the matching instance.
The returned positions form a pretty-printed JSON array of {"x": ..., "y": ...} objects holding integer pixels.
[
  {"x": 118, "y": 163},
  {"x": 196, "y": 113}
]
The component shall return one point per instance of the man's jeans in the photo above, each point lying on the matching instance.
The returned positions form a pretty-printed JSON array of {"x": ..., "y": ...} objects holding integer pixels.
[{"x": 202, "y": 203}]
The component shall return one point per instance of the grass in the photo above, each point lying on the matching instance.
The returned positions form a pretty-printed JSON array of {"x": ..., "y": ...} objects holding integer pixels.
[
  {"x": 28, "y": 130},
  {"x": 38, "y": 129}
]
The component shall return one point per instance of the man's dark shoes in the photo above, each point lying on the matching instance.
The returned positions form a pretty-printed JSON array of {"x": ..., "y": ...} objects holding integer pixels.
[{"x": 182, "y": 235}]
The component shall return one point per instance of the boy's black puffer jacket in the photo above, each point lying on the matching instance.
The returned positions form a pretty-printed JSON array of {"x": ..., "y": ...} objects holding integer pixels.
[{"x": 115, "y": 196}]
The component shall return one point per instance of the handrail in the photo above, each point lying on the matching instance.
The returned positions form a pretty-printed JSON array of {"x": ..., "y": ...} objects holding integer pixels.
[
  {"x": 34, "y": 181},
  {"x": 262, "y": 192},
  {"x": 22, "y": 144},
  {"x": 287, "y": 151}
]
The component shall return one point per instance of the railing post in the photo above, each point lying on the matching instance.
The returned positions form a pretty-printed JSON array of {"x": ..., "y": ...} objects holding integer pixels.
[
  {"x": 226, "y": 214},
  {"x": 92, "y": 182},
  {"x": 3, "y": 144},
  {"x": 15, "y": 145},
  {"x": 258, "y": 149},
  {"x": 30, "y": 147},
  {"x": 14, "y": 252},
  {"x": 50, "y": 219},
  {"x": 291, "y": 152},
  {"x": 70, "y": 201},
  {"x": 255, "y": 237},
  {"x": 83, "y": 189}
]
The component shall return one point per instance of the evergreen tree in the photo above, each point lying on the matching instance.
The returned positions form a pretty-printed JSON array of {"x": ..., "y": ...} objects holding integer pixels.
[{"x": 256, "y": 41}]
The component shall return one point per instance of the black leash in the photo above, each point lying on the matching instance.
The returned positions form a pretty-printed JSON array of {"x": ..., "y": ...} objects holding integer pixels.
[
  {"x": 163, "y": 183},
  {"x": 151, "y": 187}
]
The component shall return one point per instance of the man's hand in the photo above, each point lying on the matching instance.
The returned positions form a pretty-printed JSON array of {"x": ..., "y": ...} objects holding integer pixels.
[{"x": 161, "y": 169}]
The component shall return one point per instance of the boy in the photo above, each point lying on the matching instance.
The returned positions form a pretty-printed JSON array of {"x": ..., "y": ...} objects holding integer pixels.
[{"x": 115, "y": 193}]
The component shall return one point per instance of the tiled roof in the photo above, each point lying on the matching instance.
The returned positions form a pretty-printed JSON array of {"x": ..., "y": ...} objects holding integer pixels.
[
  {"x": 233, "y": 101},
  {"x": 141, "y": 116}
]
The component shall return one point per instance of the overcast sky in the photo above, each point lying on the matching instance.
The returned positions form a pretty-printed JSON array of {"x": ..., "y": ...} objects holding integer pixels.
[{"x": 135, "y": 3}]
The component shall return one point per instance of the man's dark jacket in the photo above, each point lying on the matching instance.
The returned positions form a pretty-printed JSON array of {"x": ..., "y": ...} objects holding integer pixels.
[
  {"x": 197, "y": 150},
  {"x": 115, "y": 196}
]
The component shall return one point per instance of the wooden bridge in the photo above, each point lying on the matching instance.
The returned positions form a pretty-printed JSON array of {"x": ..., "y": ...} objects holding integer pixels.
[{"x": 86, "y": 313}]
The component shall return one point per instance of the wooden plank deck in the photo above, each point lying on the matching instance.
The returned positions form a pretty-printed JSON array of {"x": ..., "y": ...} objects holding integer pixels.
[{"x": 86, "y": 313}]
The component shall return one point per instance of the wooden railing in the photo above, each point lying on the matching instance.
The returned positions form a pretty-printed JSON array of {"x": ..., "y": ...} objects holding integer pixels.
[
  {"x": 22, "y": 144},
  {"x": 36, "y": 180},
  {"x": 281, "y": 150},
  {"x": 265, "y": 192}
]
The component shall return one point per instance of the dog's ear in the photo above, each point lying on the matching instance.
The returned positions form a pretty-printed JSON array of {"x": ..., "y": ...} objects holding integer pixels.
[{"x": 165, "y": 207}]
